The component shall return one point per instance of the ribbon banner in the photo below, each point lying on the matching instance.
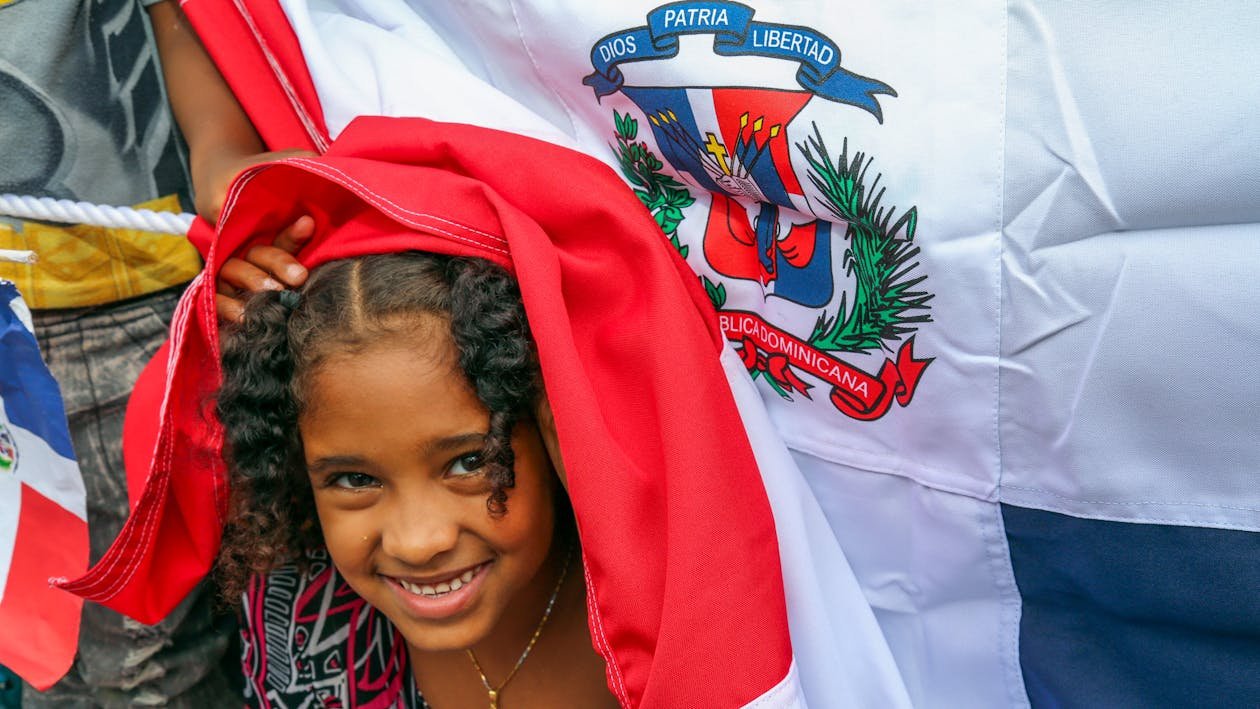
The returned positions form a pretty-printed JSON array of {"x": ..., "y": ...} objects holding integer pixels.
[
  {"x": 734, "y": 34},
  {"x": 854, "y": 392}
]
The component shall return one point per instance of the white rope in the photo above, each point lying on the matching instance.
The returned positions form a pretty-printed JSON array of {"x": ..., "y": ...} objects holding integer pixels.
[
  {"x": 12, "y": 256},
  {"x": 69, "y": 212}
]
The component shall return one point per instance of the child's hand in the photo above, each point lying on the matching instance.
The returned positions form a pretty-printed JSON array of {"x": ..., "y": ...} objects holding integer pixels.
[
  {"x": 263, "y": 268},
  {"x": 214, "y": 170}
]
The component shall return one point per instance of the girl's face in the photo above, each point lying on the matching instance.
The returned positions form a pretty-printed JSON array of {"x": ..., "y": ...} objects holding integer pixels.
[{"x": 392, "y": 437}]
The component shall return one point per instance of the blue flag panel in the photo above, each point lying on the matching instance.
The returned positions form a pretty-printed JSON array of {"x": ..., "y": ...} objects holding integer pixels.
[{"x": 1123, "y": 615}]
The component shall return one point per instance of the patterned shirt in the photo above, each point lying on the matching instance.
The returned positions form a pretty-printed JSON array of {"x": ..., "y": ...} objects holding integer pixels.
[{"x": 308, "y": 640}]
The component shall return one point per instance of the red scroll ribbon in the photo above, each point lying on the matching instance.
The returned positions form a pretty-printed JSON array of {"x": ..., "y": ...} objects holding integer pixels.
[{"x": 854, "y": 392}]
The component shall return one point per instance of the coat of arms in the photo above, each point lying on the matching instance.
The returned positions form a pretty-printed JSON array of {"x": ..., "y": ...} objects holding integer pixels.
[{"x": 766, "y": 222}]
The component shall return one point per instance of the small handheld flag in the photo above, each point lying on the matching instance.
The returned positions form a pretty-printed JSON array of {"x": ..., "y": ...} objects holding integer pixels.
[{"x": 43, "y": 508}]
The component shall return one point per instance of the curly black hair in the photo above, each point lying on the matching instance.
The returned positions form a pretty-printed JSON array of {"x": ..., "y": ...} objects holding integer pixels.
[{"x": 344, "y": 307}]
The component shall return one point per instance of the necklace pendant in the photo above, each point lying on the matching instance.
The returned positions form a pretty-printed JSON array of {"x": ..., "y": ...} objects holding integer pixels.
[{"x": 491, "y": 692}]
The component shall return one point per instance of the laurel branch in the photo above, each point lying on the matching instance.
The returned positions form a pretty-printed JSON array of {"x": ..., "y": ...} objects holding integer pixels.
[
  {"x": 880, "y": 256},
  {"x": 664, "y": 196}
]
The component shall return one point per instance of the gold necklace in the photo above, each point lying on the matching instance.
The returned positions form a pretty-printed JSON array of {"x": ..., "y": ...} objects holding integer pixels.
[{"x": 492, "y": 691}]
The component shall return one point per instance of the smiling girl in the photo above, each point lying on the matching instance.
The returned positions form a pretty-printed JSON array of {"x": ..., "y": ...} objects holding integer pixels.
[
  {"x": 390, "y": 413},
  {"x": 394, "y": 413}
]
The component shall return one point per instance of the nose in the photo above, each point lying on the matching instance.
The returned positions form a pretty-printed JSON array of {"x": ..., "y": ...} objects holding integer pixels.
[{"x": 418, "y": 530}]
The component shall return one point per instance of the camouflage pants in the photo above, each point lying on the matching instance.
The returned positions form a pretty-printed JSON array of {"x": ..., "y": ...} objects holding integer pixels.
[{"x": 96, "y": 355}]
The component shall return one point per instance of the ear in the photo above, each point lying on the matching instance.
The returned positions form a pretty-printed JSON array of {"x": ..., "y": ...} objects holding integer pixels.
[{"x": 547, "y": 430}]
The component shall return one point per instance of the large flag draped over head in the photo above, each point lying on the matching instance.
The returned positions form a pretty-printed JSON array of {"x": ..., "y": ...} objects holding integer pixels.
[
  {"x": 678, "y": 536},
  {"x": 43, "y": 510}
]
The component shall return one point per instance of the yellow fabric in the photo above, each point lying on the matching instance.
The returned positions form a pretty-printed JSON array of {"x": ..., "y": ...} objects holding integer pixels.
[{"x": 80, "y": 265}]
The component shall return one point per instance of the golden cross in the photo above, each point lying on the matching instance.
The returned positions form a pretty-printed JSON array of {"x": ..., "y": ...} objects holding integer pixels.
[{"x": 718, "y": 151}]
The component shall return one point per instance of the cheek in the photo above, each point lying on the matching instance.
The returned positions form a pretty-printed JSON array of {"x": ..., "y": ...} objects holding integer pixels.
[
  {"x": 529, "y": 524},
  {"x": 348, "y": 537},
  {"x": 531, "y": 506}
]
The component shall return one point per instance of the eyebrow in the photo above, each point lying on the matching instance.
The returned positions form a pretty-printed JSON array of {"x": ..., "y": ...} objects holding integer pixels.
[
  {"x": 449, "y": 443},
  {"x": 334, "y": 462},
  {"x": 439, "y": 445}
]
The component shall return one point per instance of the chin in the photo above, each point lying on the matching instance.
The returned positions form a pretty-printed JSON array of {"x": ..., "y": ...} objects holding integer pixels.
[
  {"x": 452, "y": 635},
  {"x": 428, "y": 639}
]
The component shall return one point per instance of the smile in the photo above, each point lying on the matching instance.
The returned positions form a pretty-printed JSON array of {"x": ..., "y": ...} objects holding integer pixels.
[
  {"x": 437, "y": 598},
  {"x": 442, "y": 588}
]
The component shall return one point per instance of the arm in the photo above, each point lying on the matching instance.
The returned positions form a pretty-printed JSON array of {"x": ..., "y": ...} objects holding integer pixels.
[
  {"x": 221, "y": 139},
  {"x": 222, "y": 142}
]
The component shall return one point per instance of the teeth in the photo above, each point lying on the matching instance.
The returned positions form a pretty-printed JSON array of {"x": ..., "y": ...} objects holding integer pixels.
[{"x": 439, "y": 589}]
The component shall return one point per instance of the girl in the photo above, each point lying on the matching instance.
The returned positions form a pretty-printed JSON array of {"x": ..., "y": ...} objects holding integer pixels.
[
  {"x": 678, "y": 560},
  {"x": 389, "y": 414}
]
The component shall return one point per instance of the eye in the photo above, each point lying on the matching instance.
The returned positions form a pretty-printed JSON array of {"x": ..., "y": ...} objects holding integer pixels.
[
  {"x": 469, "y": 464},
  {"x": 352, "y": 481}
]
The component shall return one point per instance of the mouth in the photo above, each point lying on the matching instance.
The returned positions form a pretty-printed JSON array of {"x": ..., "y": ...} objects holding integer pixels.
[
  {"x": 437, "y": 598},
  {"x": 437, "y": 589}
]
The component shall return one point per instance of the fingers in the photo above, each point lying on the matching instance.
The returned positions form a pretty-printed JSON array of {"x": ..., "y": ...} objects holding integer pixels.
[
  {"x": 276, "y": 263},
  {"x": 239, "y": 276},
  {"x": 260, "y": 268},
  {"x": 296, "y": 235},
  {"x": 229, "y": 308},
  {"x": 263, "y": 268}
]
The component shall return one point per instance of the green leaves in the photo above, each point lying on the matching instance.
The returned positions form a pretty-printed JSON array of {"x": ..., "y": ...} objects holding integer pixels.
[
  {"x": 627, "y": 126},
  {"x": 668, "y": 217},
  {"x": 880, "y": 256},
  {"x": 664, "y": 196},
  {"x": 716, "y": 291}
]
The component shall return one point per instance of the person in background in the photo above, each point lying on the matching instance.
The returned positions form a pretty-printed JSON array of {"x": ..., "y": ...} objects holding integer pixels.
[{"x": 84, "y": 117}]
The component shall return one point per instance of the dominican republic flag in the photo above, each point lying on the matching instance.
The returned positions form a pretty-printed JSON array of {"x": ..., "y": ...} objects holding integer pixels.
[
  {"x": 1045, "y": 205},
  {"x": 1026, "y": 410},
  {"x": 43, "y": 510}
]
